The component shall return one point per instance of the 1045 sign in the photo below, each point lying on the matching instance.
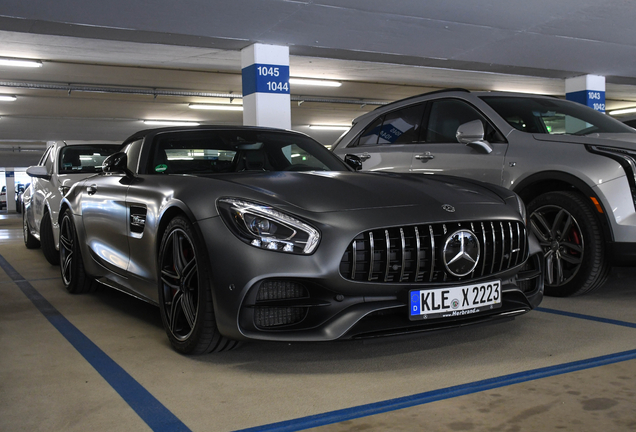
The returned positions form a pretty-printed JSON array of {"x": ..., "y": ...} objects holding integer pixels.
[
  {"x": 268, "y": 75},
  {"x": 454, "y": 301}
]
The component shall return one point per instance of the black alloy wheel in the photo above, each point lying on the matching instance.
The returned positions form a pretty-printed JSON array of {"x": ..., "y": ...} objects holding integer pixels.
[
  {"x": 29, "y": 241},
  {"x": 571, "y": 239},
  {"x": 47, "y": 242},
  {"x": 74, "y": 276},
  {"x": 185, "y": 299}
]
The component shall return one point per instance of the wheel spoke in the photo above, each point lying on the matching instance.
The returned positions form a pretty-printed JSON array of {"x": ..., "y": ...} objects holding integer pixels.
[
  {"x": 559, "y": 268},
  {"x": 549, "y": 267},
  {"x": 571, "y": 259},
  {"x": 573, "y": 247},
  {"x": 540, "y": 231},
  {"x": 67, "y": 266}
]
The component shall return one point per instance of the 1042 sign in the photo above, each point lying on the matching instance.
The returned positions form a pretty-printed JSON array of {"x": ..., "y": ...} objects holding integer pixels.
[{"x": 454, "y": 301}]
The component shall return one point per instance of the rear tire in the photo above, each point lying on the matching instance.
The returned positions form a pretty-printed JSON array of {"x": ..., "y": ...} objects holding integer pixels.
[
  {"x": 29, "y": 241},
  {"x": 570, "y": 235},
  {"x": 185, "y": 297},
  {"x": 47, "y": 242},
  {"x": 74, "y": 276}
]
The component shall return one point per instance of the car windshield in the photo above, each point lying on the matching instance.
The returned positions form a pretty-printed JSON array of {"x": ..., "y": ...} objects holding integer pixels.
[
  {"x": 76, "y": 159},
  {"x": 223, "y": 151},
  {"x": 553, "y": 116}
]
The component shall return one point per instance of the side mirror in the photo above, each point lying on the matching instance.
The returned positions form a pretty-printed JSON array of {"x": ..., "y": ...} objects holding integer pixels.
[
  {"x": 472, "y": 134},
  {"x": 353, "y": 161},
  {"x": 116, "y": 163},
  {"x": 39, "y": 172}
]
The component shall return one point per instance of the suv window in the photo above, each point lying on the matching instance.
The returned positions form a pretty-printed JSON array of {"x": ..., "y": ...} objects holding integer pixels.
[
  {"x": 446, "y": 115},
  {"x": 396, "y": 127},
  {"x": 83, "y": 159},
  {"x": 553, "y": 116}
]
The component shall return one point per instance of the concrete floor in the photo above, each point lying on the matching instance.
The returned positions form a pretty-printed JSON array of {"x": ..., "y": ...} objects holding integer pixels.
[{"x": 102, "y": 362}]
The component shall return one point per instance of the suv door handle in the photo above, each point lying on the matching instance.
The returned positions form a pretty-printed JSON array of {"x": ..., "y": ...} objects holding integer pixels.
[
  {"x": 364, "y": 156},
  {"x": 424, "y": 157},
  {"x": 92, "y": 189}
]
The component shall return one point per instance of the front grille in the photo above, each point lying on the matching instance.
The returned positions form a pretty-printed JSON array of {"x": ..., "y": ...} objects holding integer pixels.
[{"x": 414, "y": 253}]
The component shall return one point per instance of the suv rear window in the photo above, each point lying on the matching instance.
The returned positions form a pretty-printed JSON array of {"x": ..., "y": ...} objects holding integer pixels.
[{"x": 553, "y": 116}]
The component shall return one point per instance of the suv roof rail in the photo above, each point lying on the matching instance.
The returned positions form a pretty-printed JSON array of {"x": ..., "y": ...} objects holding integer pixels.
[{"x": 425, "y": 94}]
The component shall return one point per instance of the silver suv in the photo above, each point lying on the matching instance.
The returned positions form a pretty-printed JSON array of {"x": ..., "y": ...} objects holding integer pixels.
[
  {"x": 63, "y": 164},
  {"x": 574, "y": 167}
]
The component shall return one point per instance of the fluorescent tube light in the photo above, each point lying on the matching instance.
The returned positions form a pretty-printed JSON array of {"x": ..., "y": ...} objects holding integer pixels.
[
  {"x": 20, "y": 62},
  {"x": 170, "y": 123},
  {"x": 219, "y": 107},
  {"x": 330, "y": 127},
  {"x": 314, "y": 82},
  {"x": 623, "y": 111},
  {"x": 7, "y": 98}
]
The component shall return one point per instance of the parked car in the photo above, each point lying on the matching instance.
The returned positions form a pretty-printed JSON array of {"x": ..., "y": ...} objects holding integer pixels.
[
  {"x": 3, "y": 198},
  {"x": 19, "y": 190},
  {"x": 573, "y": 166},
  {"x": 62, "y": 164},
  {"x": 241, "y": 233}
]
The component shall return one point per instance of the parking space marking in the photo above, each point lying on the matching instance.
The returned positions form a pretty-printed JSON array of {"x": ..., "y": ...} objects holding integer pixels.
[
  {"x": 437, "y": 395},
  {"x": 587, "y": 317},
  {"x": 151, "y": 411}
]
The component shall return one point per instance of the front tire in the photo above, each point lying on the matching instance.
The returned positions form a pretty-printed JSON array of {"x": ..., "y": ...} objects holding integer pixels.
[
  {"x": 51, "y": 254},
  {"x": 185, "y": 299},
  {"x": 74, "y": 276},
  {"x": 570, "y": 235}
]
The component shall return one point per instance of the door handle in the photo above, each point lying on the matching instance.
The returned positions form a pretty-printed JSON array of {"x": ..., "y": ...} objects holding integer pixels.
[
  {"x": 424, "y": 157},
  {"x": 92, "y": 189},
  {"x": 364, "y": 156}
]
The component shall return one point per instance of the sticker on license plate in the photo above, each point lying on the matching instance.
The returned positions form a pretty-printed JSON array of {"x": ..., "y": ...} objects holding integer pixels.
[{"x": 454, "y": 301}]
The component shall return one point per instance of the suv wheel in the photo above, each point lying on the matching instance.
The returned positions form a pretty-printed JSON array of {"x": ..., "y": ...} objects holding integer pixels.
[{"x": 571, "y": 239}]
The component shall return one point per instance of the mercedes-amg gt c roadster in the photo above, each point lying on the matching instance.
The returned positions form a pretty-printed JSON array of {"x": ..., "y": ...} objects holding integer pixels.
[{"x": 241, "y": 233}]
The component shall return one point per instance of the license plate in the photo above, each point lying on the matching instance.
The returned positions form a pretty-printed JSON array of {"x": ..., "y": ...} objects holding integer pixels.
[{"x": 454, "y": 301}]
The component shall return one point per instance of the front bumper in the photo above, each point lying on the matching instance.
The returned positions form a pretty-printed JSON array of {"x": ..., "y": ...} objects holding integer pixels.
[{"x": 317, "y": 304}]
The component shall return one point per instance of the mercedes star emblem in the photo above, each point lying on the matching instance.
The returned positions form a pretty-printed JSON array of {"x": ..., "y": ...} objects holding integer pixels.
[
  {"x": 449, "y": 208},
  {"x": 461, "y": 253}
]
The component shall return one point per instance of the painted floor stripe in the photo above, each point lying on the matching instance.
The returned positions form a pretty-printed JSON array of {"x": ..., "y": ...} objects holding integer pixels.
[
  {"x": 437, "y": 395},
  {"x": 151, "y": 411},
  {"x": 587, "y": 317}
]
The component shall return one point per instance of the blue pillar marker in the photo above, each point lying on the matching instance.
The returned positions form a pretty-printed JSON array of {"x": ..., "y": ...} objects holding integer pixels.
[
  {"x": 266, "y": 99},
  {"x": 588, "y": 90}
]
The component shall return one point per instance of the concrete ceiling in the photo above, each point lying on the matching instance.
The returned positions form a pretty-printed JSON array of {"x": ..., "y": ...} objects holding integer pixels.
[{"x": 125, "y": 60}]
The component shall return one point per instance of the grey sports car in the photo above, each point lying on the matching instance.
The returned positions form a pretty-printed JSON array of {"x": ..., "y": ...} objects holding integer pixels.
[{"x": 241, "y": 233}]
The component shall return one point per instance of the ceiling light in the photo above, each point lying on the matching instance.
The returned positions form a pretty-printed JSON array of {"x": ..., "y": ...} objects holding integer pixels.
[
  {"x": 314, "y": 82},
  {"x": 623, "y": 111},
  {"x": 20, "y": 62},
  {"x": 7, "y": 98},
  {"x": 220, "y": 107},
  {"x": 170, "y": 123},
  {"x": 330, "y": 127}
]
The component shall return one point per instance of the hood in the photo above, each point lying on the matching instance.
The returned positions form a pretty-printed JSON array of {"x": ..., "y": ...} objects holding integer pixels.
[
  {"x": 337, "y": 191},
  {"x": 625, "y": 140}
]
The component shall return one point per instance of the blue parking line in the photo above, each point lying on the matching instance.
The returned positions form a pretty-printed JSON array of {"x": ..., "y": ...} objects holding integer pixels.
[
  {"x": 151, "y": 411},
  {"x": 437, "y": 395},
  {"x": 587, "y": 317}
]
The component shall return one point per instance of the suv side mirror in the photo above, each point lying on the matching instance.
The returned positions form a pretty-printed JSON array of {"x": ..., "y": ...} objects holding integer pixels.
[
  {"x": 353, "y": 161},
  {"x": 472, "y": 134},
  {"x": 116, "y": 163},
  {"x": 38, "y": 172}
]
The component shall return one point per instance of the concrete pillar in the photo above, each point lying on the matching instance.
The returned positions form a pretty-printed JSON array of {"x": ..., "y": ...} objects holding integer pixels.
[
  {"x": 266, "y": 100},
  {"x": 10, "y": 176},
  {"x": 588, "y": 90}
]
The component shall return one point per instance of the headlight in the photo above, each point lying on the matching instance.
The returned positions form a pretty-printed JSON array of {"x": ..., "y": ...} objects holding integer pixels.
[
  {"x": 264, "y": 227},
  {"x": 522, "y": 209}
]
